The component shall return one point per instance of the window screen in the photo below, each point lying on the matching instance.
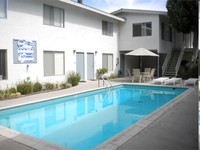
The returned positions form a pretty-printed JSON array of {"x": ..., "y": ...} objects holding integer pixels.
[
  {"x": 53, "y": 16},
  {"x": 107, "y": 61},
  {"x": 107, "y": 28},
  {"x": 142, "y": 29},
  {"x": 53, "y": 63},
  {"x": 48, "y": 63},
  {"x": 166, "y": 32},
  {"x": 3, "y": 8}
]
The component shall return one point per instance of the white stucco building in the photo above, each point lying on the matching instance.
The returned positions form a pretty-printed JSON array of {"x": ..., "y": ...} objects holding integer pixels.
[
  {"x": 45, "y": 39},
  {"x": 151, "y": 30}
]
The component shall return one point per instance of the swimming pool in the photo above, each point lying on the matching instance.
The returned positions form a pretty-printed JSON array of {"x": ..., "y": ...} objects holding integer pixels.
[{"x": 86, "y": 120}]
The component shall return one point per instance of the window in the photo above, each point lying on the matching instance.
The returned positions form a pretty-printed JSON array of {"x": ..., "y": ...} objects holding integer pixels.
[
  {"x": 166, "y": 32},
  {"x": 108, "y": 61},
  {"x": 3, "y": 8},
  {"x": 53, "y": 16},
  {"x": 142, "y": 29},
  {"x": 107, "y": 28},
  {"x": 53, "y": 63},
  {"x": 3, "y": 64}
]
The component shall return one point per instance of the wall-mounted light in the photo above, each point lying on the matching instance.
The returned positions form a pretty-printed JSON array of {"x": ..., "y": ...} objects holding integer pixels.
[
  {"x": 27, "y": 68},
  {"x": 74, "y": 51},
  {"x": 96, "y": 52}
]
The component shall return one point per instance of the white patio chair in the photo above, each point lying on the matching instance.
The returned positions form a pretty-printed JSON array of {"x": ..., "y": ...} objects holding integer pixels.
[
  {"x": 136, "y": 75},
  {"x": 147, "y": 69},
  {"x": 152, "y": 73},
  {"x": 129, "y": 73},
  {"x": 146, "y": 74}
]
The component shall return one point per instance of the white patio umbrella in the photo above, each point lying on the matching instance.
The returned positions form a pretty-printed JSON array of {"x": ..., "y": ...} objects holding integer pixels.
[{"x": 141, "y": 52}]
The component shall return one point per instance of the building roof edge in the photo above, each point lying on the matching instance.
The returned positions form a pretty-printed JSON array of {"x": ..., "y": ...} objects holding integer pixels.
[
  {"x": 139, "y": 11},
  {"x": 93, "y": 10}
]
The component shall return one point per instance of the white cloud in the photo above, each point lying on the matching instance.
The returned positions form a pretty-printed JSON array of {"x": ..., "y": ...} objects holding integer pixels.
[{"x": 112, "y": 5}]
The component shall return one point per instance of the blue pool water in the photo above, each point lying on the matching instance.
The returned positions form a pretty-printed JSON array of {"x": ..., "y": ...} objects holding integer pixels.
[{"x": 86, "y": 120}]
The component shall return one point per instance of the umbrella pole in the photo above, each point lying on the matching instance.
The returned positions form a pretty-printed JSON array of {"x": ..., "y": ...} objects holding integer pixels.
[{"x": 140, "y": 63}]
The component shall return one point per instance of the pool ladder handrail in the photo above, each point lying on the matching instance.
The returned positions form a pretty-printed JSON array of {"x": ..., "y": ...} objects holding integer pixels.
[{"x": 103, "y": 78}]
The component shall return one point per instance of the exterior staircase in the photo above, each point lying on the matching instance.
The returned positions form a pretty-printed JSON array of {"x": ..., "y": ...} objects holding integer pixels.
[{"x": 170, "y": 70}]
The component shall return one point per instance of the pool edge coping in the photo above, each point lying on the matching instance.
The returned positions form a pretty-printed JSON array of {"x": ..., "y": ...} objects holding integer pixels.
[{"x": 112, "y": 143}]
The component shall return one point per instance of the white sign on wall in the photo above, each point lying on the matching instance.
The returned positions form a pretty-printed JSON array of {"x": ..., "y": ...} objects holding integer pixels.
[{"x": 24, "y": 51}]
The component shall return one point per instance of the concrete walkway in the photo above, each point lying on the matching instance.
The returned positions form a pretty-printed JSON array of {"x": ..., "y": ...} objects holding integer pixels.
[{"x": 176, "y": 129}]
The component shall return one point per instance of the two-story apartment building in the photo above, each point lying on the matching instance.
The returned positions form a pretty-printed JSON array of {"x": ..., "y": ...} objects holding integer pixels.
[{"x": 44, "y": 40}]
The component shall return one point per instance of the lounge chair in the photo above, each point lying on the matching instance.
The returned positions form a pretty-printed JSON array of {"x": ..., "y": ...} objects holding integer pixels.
[
  {"x": 173, "y": 81},
  {"x": 160, "y": 80},
  {"x": 191, "y": 81},
  {"x": 136, "y": 75}
]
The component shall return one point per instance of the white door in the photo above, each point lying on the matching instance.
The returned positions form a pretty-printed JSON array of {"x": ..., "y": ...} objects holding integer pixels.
[
  {"x": 90, "y": 66},
  {"x": 80, "y": 64}
]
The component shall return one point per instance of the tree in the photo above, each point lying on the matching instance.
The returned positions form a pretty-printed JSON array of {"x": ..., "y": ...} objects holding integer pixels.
[{"x": 183, "y": 15}]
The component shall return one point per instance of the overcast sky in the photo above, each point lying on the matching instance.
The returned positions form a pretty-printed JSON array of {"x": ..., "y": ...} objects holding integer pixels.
[{"x": 112, "y": 5}]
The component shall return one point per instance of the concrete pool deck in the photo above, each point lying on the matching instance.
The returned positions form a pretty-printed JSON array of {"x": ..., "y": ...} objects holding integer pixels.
[{"x": 175, "y": 127}]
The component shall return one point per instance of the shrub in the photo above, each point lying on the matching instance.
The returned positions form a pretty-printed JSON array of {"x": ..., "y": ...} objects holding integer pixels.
[
  {"x": 24, "y": 87},
  {"x": 193, "y": 71},
  {"x": 49, "y": 86},
  {"x": 113, "y": 76},
  {"x": 12, "y": 90},
  {"x": 63, "y": 85},
  {"x": 56, "y": 85},
  {"x": 182, "y": 72},
  {"x": 1, "y": 94},
  {"x": 7, "y": 93},
  {"x": 101, "y": 71},
  {"x": 73, "y": 78},
  {"x": 37, "y": 87}
]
